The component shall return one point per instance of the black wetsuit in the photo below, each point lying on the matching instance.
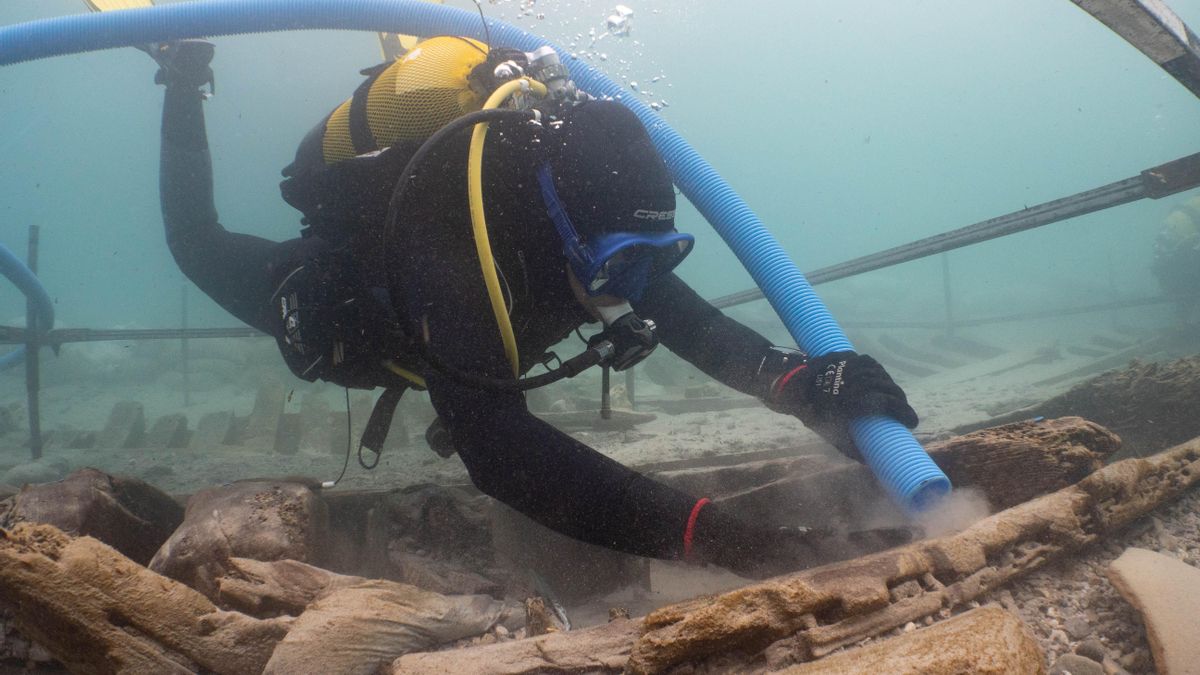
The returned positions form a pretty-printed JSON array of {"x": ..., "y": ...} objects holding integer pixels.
[{"x": 436, "y": 285}]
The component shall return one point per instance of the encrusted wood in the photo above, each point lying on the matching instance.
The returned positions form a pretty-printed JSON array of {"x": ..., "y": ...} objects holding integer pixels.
[
  {"x": 829, "y": 607},
  {"x": 836, "y": 605},
  {"x": 97, "y": 611}
]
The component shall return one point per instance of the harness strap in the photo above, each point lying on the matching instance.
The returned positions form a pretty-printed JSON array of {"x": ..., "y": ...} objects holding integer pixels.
[
  {"x": 380, "y": 422},
  {"x": 360, "y": 127}
]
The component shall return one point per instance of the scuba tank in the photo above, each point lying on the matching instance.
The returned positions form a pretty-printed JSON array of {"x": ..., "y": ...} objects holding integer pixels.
[{"x": 346, "y": 166}]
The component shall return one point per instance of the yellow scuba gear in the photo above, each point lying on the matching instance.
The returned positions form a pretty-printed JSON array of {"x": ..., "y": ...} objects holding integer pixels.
[
  {"x": 406, "y": 100},
  {"x": 438, "y": 81},
  {"x": 394, "y": 45},
  {"x": 407, "y": 374},
  {"x": 483, "y": 245},
  {"x": 1182, "y": 223}
]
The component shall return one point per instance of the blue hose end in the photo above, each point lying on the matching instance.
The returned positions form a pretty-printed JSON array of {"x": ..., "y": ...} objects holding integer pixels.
[
  {"x": 905, "y": 470},
  {"x": 929, "y": 493}
]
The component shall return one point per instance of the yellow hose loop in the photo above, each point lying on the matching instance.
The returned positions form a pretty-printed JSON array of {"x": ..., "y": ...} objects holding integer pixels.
[
  {"x": 483, "y": 245},
  {"x": 405, "y": 373}
]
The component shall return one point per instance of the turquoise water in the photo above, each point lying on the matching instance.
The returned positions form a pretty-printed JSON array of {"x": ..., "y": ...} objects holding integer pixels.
[{"x": 849, "y": 127}]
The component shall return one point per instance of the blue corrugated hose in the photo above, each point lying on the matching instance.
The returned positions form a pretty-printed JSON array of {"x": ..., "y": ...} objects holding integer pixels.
[
  {"x": 12, "y": 267},
  {"x": 899, "y": 462}
]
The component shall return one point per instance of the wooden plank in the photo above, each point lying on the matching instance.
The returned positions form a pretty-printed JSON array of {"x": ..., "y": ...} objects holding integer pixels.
[
  {"x": 263, "y": 423},
  {"x": 213, "y": 431},
  {"x": 169, "y": 431},
  {"x": 126, "y": 426}
]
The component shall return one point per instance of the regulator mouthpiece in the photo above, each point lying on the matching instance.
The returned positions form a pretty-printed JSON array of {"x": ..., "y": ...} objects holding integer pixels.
[{"x": 626, "y": 339}]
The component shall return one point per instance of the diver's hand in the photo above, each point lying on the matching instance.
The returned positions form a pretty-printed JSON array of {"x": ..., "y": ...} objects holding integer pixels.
[
  {"x": 826, "y": 392},
  {"x": 759, "y": 552},
  {"x": 183, "y": 63}
]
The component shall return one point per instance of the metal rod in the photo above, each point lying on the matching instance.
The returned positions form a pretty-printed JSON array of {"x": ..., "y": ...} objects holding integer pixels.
[
  {"x": 949, "y": 299},
  {"x": 1156, "y": 31},
  {"x": 1024, "y": 316},
  {"x": 605, "y": 394},
  {"x": 183, "y": 347},
  {"x": 14, "y": 335},
  {"x": 32, "y": 363},
  {"x": 630, "y": 386},
  {"x": 1160, "y": 181}
]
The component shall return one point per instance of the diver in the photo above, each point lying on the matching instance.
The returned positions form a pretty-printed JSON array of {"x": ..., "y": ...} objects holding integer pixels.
[
  {"x": 384, "y": 288},
  {"x": 1176, "y": 262}
]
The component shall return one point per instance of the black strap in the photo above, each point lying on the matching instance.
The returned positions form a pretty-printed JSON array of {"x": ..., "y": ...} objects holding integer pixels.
[
  {"x": 380, "y": 422},
  {"x": 360, "y": 128}
]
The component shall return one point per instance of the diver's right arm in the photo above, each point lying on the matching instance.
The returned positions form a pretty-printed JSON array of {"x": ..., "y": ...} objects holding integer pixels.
[{"x": 237, "y": 271}]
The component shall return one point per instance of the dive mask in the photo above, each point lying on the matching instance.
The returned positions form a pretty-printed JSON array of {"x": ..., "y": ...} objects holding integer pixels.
[{"x": 620, "y": 264}]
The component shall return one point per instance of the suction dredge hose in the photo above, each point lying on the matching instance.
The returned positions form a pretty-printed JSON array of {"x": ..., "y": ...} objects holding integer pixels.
[
  {"x": 899, "y": 462},
  {"x": 12, "y": 267}
]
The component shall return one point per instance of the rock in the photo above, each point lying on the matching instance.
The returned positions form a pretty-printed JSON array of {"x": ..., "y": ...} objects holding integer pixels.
[
  {"x": 1151, "y": 406},
  {"x": 604, "y": 648},
  {"x": 1137, "y": 660},
  {"x": 361, "y": 629},
  {"x": 440, "y": 576},
  {"x": 1113, "y": 668},
  {"x": 981, "y": 641},
  {"x": 131, "y": 516},
  {"x": 31, "y": 473},
  {"x": 537, "y": 618},
  {"x": 1166, "y": 592},
  {"x": 1074, "y": 664},
  {"x": 1007, "y": 601},
  {"x": 908, "y": 589},
  {"x": 1092, "y": 649},
  {"x": 264, "y": 520},
  {"x": 1077, "y": 628}
]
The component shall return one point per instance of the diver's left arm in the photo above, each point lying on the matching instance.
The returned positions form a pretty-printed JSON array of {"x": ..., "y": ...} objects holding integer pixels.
[
  {"x": 825, "y": 392},
  {"x": 238, "y": 271}
]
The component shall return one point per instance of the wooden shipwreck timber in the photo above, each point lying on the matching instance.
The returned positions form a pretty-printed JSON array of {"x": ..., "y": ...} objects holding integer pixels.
[{"x": 96, "y": 610}]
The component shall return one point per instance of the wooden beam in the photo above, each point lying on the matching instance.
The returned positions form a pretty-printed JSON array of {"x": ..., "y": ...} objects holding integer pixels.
[
  {"x": 827, "y": 608},
  {"x": 97, "y": 611}
]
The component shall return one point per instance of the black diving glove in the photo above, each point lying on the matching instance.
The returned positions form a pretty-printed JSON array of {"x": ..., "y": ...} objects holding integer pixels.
[
  {"x": 183, "y": 63},
  {"x": 827, "y": 392},
  {"x": 757, "y": 552}
]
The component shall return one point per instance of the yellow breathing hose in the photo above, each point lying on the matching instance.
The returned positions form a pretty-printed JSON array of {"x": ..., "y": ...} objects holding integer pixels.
[
  {"x": 483, "y": 245},
  {"x": 405, "y": 373}
]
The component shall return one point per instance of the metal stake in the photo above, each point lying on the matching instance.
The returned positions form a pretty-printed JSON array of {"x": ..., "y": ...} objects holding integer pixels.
[
  {"x": 605, "y": 396},
  {"x": 630, "y": 380},
  {"x": 32, "y": 365},
  {"x": 183, "y": 348},
  {"x": 946, "y": 293}
]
